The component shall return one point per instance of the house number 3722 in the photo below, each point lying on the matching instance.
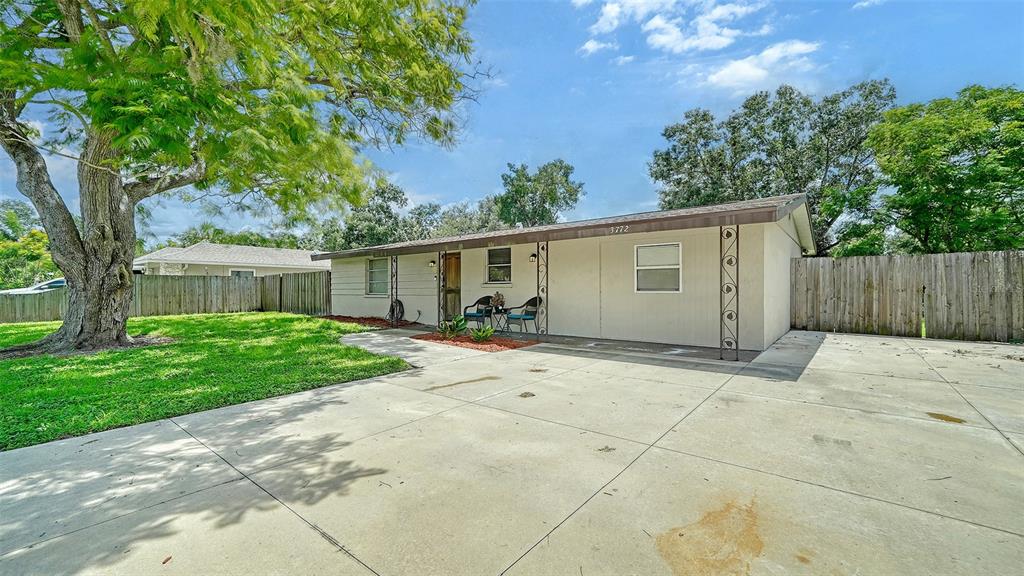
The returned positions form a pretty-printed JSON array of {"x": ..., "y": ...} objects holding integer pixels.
[{"x": 619, "y": 229}]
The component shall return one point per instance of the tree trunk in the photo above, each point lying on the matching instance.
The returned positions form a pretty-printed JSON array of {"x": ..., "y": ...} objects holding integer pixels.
[
  {"x": 96, "y": 261},
  {"x": 100, "y": 292}
]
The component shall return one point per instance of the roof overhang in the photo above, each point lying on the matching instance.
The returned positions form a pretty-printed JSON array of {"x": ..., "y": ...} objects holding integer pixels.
[{"x": 795, "y": 204}]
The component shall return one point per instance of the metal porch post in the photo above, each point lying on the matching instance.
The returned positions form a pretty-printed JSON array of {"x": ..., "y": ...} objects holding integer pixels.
[
  {"x": 542, "y": 288},
  {"x": 441, "y": 300},
  {"x": 729, "y": 292},
  {"x": 394, "y": 291}
]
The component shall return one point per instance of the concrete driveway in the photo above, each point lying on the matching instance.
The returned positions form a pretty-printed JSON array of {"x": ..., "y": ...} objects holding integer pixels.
[{"x": 828, "y": 454}]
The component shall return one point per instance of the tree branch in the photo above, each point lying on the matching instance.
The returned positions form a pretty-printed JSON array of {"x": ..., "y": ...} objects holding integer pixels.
[
  {"x": 146, "y": 187},
  {"x": 34, "y": 182}
]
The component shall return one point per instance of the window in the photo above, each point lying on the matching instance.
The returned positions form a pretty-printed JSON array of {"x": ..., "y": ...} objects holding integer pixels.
[
  {"x": 377, "y": 276},
  {"x": 658, "y": 268},
  {"x": 499, "y": 265},
  {"x": 243, "y": 273}
]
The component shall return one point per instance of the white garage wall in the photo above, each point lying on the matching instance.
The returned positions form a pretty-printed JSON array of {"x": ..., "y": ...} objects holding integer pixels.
[
  {"x": 593, "y": 290},
  {"x": 780, "y": 247}
]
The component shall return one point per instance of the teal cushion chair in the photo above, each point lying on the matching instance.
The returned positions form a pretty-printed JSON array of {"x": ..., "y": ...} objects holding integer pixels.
[
  {"x": 521, "y": 315},
  {"x": 478, "y": 311}
]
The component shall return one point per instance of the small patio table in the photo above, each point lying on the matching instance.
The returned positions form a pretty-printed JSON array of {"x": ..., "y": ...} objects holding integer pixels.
[{"x": 499, "y": 319}]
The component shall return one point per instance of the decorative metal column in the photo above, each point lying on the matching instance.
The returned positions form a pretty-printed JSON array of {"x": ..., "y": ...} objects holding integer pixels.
[
  {"x": 542, "y": 288},
  {"x": 441, "y": 282},
  {"x": 729, "y": 293},
  {"x": 394, "y": 291}
]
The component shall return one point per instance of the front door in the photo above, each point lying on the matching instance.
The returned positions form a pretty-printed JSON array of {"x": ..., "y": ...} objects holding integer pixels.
[{"x": 453, "y": 285}]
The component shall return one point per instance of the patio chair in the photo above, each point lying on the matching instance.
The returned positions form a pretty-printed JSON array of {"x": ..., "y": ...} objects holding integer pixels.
[
  {"x": 527, "y": 312},
  {"x": 481, "y": 310}
]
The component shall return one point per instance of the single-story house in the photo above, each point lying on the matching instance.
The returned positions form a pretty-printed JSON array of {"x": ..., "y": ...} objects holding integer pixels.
[
  {"x": 715, "y": 276},
  {"x": 209, "y": 259}
]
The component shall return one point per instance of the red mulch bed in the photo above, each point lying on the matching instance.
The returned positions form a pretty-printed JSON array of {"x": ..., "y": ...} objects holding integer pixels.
[
  {"x": 368, "y": 321},
  {"x": 495, "y": 344}
]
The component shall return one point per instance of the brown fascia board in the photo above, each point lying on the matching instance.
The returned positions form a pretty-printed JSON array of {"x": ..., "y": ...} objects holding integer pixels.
[{"x": 605, "y": 227}]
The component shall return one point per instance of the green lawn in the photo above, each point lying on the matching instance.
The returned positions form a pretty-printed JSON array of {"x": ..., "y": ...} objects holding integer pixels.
[{"x": 215, "y": 360}]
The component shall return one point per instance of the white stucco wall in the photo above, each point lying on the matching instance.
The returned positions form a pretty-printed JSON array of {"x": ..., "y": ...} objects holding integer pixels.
[
  {"x": 516, "y": 293},
  {"x": 592, "y": 292},
  {"x": 780, "y": 247},
  {"x": 417, "y": 289}
]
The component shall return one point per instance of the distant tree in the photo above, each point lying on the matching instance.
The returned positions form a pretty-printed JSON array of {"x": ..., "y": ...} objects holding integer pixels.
[
  {"x": 421, "y": 221},
  {"x": 464, "y": 218},
  {"x": 16, "y": 219},
  {"x": 378, "y": 221},
  {"x": 956, "y": 167},
  {"x": 781, "y": 143},
  {"x": 538, "y": 198},
  {"x": 26, "y": 261},
  {"x": 324, "y": 235},
  {"x": 211, "y": 233},
  {"x": 259, "y": 103}
]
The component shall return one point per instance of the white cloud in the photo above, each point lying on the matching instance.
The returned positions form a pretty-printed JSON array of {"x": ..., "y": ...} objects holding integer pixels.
[
  {"x": 609, "y": 20},
  {"x": 757, "y": 70},
  {"x": 867, "y": 4},
  {"x": 617, "y": 12},
  {"x": 591, "y": 46},
  {"x": 580, "y": 3},
  {"x": 677, "y": 26},
  {"x": 623, "y": 60}
]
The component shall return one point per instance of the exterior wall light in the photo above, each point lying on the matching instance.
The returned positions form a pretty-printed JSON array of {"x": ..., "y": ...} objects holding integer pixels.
[
  {"x": 432, "y": 263},
  {"x": 533, "y": 257}
]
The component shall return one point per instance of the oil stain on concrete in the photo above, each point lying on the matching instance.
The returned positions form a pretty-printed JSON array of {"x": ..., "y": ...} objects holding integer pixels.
[
  {"x": 946, "y": 417},
  {"x": 473, "y": 381},
  {"x": 723, "y": 542}
]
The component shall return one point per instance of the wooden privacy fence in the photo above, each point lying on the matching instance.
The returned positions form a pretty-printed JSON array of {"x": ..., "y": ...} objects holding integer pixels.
[
  {"x": 965, "y": 296},
  {"x": 302, "y": 293},
  {"x": 305, "y": 293}
]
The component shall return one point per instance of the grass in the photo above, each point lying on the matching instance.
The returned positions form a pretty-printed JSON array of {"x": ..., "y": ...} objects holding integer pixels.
[{"x": 215, "y": 360}]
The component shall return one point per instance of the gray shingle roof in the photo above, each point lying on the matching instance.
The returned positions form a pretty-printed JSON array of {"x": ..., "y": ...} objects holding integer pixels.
[
  {"x": 770, "y": 209},
  {"x": 209, "y": 253}
]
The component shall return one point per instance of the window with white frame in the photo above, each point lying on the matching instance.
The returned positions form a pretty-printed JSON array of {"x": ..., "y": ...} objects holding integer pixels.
[
  {"x": 242, "y": 273},
  {"x": 377, "y": 277},
  {"x": 658, "y": 268},
  {"x": 499, "y": 265}
]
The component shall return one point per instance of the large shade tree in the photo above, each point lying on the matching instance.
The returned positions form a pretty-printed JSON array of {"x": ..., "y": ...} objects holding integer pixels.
[
  {"x": 955, "y": 168},
  {"x": 781, "y": 143},
  {"x": 266, "y": 102}
]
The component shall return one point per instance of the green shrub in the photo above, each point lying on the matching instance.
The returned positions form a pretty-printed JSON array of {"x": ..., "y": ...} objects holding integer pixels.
[
  {"x": 482, "y": 334},
  {"x": 452, "y": 328}
]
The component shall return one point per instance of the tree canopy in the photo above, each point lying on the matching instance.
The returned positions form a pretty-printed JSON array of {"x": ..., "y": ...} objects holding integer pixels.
[
  {"x": 538, "y": 198},
  {"x": 780, "y": 143},
  {"x": 383, "y": 219},
  {"x": 262, "y": 103},
  {"x": 211, "y": 233},
  {"x": 955, "y": 167}
]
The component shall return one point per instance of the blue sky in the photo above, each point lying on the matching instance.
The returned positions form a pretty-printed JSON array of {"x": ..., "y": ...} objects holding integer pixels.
[{"x": 594, "y": 82}]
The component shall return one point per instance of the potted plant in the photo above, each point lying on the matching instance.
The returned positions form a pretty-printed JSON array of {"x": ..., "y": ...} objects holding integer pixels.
[{"x": 498, "y": 301}]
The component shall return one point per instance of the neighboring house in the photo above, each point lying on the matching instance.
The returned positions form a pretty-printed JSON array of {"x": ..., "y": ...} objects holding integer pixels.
[
  {"x": 653, "y": 277},
  {"x": 209, "y": 259}
]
